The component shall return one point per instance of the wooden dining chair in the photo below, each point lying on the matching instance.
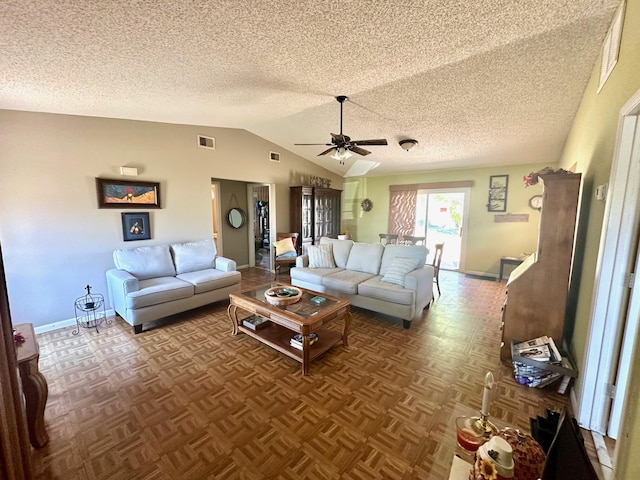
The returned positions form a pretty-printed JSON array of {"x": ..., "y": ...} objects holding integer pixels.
[
  {"x": 437, "y": 259},
  {"x": 282, "y": 253},
  {"x": 411, "y": 240},
  {"x": 388, "y": 238}
]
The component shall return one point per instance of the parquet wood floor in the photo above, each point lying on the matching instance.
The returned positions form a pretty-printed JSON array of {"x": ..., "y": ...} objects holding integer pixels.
[{"x": 187, "y": 400}]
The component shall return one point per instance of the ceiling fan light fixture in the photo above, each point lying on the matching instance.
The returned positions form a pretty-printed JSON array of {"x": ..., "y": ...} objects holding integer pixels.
[
  {"x": 408, "y": 144},
  {"x": 341, "y": 154}
]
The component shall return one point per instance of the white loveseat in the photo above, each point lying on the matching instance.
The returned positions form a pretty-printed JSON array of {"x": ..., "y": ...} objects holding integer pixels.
[
  {"x": 392, "y": 279},
  {"x": 149, "y": 283}
]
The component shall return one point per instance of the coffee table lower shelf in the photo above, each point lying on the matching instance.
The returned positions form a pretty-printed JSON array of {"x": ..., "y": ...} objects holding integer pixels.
[{"x": 278, "y": 337}]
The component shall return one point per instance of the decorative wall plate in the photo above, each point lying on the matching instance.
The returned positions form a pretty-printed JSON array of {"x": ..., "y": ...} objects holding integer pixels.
[{"x": 366, "y": 205}]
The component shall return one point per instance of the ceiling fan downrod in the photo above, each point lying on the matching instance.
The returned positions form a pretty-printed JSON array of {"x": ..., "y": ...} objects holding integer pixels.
[{"x": 341, "y": 99}]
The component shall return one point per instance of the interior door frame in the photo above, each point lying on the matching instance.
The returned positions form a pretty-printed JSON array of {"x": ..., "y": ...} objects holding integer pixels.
[
  {"x": 608, "y": 344},
  {"x": 15, "y": 451},
  {"x": 217, "y": 217}
]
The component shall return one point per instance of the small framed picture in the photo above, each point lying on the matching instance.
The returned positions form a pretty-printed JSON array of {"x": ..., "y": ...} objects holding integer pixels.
[
  {"x": 498, "y": 187},
  {"x": 135, "y": 226}
]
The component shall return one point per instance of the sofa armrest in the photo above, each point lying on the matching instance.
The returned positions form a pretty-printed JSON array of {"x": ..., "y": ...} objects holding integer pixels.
[
  {"x": 302, "y": 261},
  {"x": 119, "y": 284},
  {"x": 122, "y": 281},
  {"x": 225, "y": 264},
  {"x": 421, "y": 281}
]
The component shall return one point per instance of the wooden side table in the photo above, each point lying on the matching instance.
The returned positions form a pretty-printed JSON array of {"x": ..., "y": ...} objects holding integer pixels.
[{"x": 34, "y": 385}]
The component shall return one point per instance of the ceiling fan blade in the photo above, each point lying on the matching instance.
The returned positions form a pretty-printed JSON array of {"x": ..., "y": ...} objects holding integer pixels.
[
  {"x": 358, "y": 150},
  {"x": 316, "y": 144},
  {"x": 380, "y": 141},
  {"x": 328, "y": 150}
]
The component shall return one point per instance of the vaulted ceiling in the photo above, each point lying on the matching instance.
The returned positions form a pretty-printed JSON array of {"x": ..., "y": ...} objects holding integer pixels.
[{"x": 476, "y": 83}]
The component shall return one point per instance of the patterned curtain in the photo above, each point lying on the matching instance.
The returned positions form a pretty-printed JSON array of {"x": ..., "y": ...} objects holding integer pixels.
[{"x": 402, "y": 212}]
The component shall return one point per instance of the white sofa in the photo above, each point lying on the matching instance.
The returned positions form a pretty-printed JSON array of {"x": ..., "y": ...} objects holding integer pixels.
[
  {"x": 149, "y": 283},
  {"x": 391, "y": 279}
]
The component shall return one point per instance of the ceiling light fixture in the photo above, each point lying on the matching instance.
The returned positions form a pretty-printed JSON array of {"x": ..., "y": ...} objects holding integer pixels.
[
  {"x": 341, "y": 154},
  {"x": 408, "y": 144}
]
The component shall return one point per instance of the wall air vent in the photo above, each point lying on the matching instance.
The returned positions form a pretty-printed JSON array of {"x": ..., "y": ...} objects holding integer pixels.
[
  {"x": 274, "y": 156},
  {"x": 611, "y": 47},
  {"x": 206, "y": 142}
]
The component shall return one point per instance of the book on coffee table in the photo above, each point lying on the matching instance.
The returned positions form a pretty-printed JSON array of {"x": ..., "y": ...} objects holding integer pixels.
[
  {"x": 255, "y": 322},
  {"x": 296, "y": 340}
]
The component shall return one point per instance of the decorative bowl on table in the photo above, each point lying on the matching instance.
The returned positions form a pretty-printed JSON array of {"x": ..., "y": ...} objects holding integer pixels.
[{"x": 282, "y": 296}]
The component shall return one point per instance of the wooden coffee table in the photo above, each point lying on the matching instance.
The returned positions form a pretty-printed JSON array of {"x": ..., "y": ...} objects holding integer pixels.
[{"x": 303, "y": 317}]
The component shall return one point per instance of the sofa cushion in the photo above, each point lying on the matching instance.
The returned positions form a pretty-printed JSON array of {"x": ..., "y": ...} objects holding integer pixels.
[
  {"x": 145, "y": 262},
  {"x": 312, "y": 275},
  {"x": 321, "y": 256},
  {"x": 159, "y": 290},
  {"x": 419, "y": 252},
  {"x": 365, "y": 257},
  {"x": 210, "y": 279},
  {"x": 346, "y": 281},
  {"x": 341, "y": 249},
  {"x": 398, "y": 269},
  {"x": 284, "y": 246},
  {"x": 385, "y": 291},
  {"x": 194, "y": 256}
]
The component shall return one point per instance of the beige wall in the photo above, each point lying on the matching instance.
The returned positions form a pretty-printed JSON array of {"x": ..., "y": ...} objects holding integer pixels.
[
  {"x": 54, "y": 238},
  {"x": 486, "y": 240},
  {"x": 233, "y": 194},
  {"x": 590, "y": 145}
]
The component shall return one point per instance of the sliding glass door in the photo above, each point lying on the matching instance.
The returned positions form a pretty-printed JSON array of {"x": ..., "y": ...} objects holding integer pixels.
[{"x": 441, "y": 218}]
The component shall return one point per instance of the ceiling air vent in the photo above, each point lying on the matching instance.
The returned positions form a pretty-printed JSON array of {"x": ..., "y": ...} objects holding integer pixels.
[
  {"x": 206, "y": 142},
  {"x": 274, "y": 156}
]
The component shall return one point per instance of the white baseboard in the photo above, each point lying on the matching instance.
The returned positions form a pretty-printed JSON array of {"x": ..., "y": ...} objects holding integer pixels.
[
  {"x": 479, "y": 274},
  {"x": 71, "y": 322}
]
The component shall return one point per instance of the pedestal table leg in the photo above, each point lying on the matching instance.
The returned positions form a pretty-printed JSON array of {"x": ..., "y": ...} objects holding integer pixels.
[{"x": 36, "y": 390}]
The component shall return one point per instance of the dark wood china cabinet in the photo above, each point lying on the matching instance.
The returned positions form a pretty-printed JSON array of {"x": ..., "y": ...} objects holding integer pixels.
[{"x": 315, "y": 212}]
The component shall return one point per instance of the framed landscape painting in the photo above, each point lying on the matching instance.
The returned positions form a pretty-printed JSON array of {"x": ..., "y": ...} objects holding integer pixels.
[
  {"x": 135, "y": 226},
  {"x": 127, "y": 194}
]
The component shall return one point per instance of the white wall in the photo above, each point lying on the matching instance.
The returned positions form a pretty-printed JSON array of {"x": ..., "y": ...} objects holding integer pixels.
[{"x": 54, "y": 238}]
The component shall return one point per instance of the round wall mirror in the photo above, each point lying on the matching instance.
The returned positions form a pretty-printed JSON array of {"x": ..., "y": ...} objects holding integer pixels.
[{"x": 237, "y": 217}]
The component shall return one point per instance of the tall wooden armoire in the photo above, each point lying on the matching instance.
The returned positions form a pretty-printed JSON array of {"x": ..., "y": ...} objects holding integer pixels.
[
  {"x": 314, "y": 213},
  {"x": 537, "y": 289}
]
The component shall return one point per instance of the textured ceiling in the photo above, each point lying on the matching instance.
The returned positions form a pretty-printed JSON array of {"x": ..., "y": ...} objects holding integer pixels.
[{"x": 476, "y": 82}]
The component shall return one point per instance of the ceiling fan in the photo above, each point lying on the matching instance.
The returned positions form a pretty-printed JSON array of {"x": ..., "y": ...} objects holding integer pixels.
[{"x": 342, "y": 145}]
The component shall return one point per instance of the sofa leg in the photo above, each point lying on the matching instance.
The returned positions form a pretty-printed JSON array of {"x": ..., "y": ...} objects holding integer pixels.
[
  {"x": 406, "y": 323},
  {"x": 137, "y": 329}
]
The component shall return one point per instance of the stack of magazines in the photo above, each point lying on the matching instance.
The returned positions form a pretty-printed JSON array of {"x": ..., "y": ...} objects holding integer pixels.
[
  {"x": 543, "y": 350},
  {"x": 296, "y": 340}
]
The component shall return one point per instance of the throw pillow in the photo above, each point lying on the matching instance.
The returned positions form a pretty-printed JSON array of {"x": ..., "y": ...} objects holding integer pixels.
[
  {"x": 398, "y": 269},
  {"x": 284, "y": 246},
  {"x": 321, "y": 256}
]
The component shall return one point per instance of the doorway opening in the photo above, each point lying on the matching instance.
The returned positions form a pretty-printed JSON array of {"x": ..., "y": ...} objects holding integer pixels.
[
  {"x": 614, "y": 328},
  {"x": 441, "y": 217},
  {"x": 259, "y": 202}
]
